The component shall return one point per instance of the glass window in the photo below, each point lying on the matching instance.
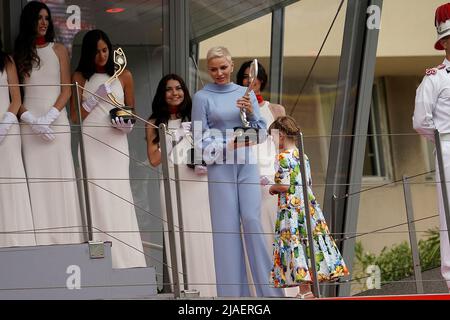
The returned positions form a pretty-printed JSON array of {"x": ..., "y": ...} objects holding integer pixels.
[
  {"x": 377, "y": 155},
  {"x": 253, "y": 42},
  {"x": 136, "y": 27},
  {"x": 310, "y": 97}
]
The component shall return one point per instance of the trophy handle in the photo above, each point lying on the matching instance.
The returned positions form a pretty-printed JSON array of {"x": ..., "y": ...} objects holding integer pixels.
[
  {"x": 120, "y": 60},
  {"x": 244, "y": 120},
  {"x": 252, "y": 75}
]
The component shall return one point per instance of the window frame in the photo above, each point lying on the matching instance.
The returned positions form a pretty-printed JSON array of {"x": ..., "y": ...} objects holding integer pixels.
[{"x": 380, "y": 128}]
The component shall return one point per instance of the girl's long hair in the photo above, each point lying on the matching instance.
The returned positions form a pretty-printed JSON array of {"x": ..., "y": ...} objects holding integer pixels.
[
  {"x": 86, "y": 65},
  {"x": 25, "y": 53},
  {"x": 160, "y": 110},
  {"x": 287, "y": 125}
]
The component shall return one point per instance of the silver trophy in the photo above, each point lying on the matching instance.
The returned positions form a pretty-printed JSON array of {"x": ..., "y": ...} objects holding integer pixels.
[{"x": 240, "y": 131}]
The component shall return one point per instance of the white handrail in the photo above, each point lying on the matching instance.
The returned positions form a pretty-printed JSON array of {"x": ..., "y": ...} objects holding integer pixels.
[{"x": 152, "y": 245}]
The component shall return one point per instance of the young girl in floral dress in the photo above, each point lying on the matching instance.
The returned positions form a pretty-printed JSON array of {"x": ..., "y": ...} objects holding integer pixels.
[{"x": 290, "y": 247}]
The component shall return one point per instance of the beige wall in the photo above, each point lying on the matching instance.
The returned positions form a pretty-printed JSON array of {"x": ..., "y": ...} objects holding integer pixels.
[
  {"x": 407, "y": 29},
  {"x": 253, "y": 38}
]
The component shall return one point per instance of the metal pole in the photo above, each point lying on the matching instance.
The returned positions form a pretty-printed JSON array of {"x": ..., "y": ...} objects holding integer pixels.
[
  {"x": 350, "y": 123},
  {"x": 180, "y": 223},
  {"x": 83, "y": 168},
  {"x": 276, "y": 55},
  {"x": 314, "y": 279},
  {"x": 169, "y": 210},
  {"x": 333, "y": 214},
  {"x": 330, "y": 291},
  {"x": 412, "y": 235},
  {"x": 440, "y": 160},
  {"x": 179, "y": 36}
]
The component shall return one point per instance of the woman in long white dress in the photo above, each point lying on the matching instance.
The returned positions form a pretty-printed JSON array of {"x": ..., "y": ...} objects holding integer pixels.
[
  {"x": 15, "y": 208},
  {"x": 106, "y": 151},
  {"x": 172, "y": 105},
  {"x": 44, "y": 66}
]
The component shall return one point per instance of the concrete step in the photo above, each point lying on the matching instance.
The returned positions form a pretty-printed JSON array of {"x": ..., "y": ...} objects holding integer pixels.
[{"x": 70, "y": 272}]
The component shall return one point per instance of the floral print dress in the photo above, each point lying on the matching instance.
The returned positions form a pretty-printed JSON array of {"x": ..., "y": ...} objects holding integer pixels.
[{"x": 291, "y": 261}]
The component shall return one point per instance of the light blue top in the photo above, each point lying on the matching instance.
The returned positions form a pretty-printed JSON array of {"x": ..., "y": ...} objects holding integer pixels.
[{"x": 214, "y": 107}]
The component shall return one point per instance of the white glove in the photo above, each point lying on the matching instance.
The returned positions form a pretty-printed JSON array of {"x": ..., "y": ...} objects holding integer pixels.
[
  {"x": 120, "y": 124},
  {"x": 90, "y": 103},
  {"x": 178, "y": 135},
  {"x": 186, "y": 126},
  {"x": 169, "y": 149},
  {"x": 8, "y": 120},
  {"x": 40, "y": 125},
  {"x": 49, "y": 118},
  {"x": 263, "y": 180},
  {"x": 200, "y": 170}
]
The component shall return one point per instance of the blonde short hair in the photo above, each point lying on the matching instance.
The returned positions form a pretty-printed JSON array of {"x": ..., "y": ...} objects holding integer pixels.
[{"x": 218, "y": 52}]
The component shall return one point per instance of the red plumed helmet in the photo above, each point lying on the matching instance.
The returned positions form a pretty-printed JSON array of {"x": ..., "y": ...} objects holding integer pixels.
[{"x": 442, "y": 23}]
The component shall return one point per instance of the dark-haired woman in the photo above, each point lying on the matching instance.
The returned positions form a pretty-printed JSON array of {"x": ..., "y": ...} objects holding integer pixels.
[
  {"x": 172, "y": 106},
  {"x": 43, "y": 65},
  {"x": 106, "y": 151},
  {"x": 15, "y": 208}
]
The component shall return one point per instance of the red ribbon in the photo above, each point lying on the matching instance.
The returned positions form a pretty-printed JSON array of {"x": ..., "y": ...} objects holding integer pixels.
[
  {"x": 173, "y": 109},
  {"x": 260, "y": 98},
  {"x": 40, "y": 41},
  {"x": 100, "y": 69}
]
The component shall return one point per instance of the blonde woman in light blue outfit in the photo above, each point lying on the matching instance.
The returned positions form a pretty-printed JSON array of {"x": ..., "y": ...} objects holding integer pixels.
[{"x": 234, "y": 191}]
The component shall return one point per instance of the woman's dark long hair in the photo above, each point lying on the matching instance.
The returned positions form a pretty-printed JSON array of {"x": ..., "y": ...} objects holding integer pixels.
[
  {"x": 262, "y": 75},
  {"x": 25, "y": 45},
  {"x": 3, "y": 56},
  {"x": 86, "y": 65},
  {"x": 160, "y": 110}
]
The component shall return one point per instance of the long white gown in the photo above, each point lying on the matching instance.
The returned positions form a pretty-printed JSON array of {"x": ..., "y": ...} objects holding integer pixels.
[
  {"x": 49, "y": 164},
  {"x": 197, "y": 226},
  {"x": 15, "y": 208},
  {"x": 107, "y": 163},
  {"x": 266, "y": 159}
]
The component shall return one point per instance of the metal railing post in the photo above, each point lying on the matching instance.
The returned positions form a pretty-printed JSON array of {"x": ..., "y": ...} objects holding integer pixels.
[
  {"x": 412, "y": 235},
  {"x": 314, "y": 279},
  {"x": 330, "y": 291},
  {"x": 180, "y": 222},
  {"x": 169, "y": 210},
  {"x": 440, "y": 160},
  {"x": 333, "y": 227},
  {"x": 83, "y": 169}
]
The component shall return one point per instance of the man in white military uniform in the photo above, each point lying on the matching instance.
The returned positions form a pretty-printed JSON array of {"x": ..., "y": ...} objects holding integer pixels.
[{"x": 432, "y": 111}]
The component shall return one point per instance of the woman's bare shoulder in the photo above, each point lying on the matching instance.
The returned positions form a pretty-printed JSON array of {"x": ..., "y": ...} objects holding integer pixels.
[
  {"x": 126, "y": 75},
  {"x": 60, "y": 48}
]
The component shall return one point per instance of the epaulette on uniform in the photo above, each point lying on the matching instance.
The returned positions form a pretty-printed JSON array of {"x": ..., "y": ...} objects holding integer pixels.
[{"x": 432, "y": 71}]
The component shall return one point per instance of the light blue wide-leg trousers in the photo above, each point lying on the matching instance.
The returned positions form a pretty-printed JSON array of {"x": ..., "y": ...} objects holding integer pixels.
[{"x": 235, "y": 197}]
